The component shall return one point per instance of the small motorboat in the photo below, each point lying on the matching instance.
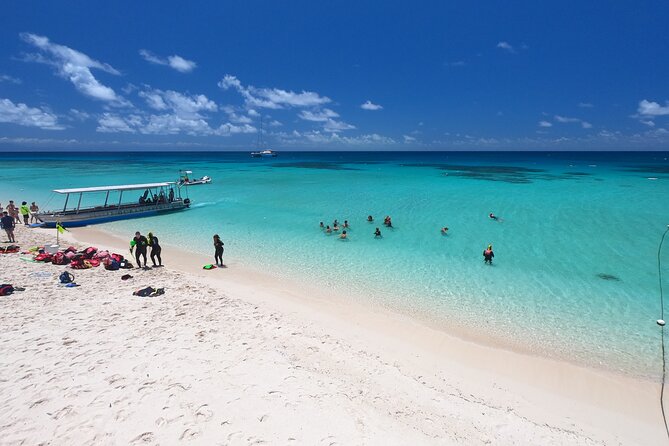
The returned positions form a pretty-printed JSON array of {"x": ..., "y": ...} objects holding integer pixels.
[
  {"x": 186, "y": 180},
  {"x": 264, "y": 154}
]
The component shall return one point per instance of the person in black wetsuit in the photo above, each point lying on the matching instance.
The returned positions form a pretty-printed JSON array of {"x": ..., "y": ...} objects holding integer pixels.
[
  {"x": 218, "y": 253},
  {"x": 488, "y": 255},
  {"x": 139, "y": 243},
  {"x": 155, "y": 250}
]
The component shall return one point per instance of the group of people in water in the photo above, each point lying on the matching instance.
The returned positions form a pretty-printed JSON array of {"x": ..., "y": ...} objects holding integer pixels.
[{"x": 488, "y": 253}]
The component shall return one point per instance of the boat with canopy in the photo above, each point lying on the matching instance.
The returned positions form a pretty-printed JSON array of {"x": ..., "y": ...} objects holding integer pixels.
[{"x": 83, "y": 205}]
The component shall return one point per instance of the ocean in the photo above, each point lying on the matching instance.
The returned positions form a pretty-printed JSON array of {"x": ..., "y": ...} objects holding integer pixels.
[{"x": 575, "y": 273}]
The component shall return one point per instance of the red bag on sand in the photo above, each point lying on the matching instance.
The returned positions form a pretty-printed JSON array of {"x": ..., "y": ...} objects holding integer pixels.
[
  {"x": 70, "y": 249},
  {"x": 44, "y": 257},
  {"x": 94, "y": 262},
  {"x": 69, "y": 254},
  {"x": 60, "y": 259},
  {"x": 89, "y": 252},
  {"x": 117, "y": 257}
]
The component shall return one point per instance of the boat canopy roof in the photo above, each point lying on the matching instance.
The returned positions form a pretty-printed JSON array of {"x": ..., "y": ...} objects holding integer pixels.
[{"x": 112, "y": 188}]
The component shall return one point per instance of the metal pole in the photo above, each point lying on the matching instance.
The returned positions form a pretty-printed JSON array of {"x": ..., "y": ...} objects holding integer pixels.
[
  {"x": 67, "y": 197},
  {"x": 120, "y": 197},
  {"x": 106, "y": 199},
  {"x": 79, "y": 203}
]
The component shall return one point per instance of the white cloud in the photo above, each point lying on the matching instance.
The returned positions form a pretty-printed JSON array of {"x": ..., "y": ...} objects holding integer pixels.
[
  {"x": 10, "y": 79},
  {"x": 408, "y": 139},
  {"x": 506, "y": 46},
  {"x": 318, "y": 115},
  {"x": 565, "y": 119},
  {"x": 545, "y": 124},
  {"x": 184, "y": 106},
  {"x": 110, "y": 123},
  {"x": 369, "y": 106},
  {"x": 252, "y": 113},
  {"x": 176, "y": 62},
  {"x": 272, "y": 98},
  {"x": 332, "y": 126},
  {"x": 317, "y": 137},
  {"x": 21, "y": 114},
  {"x": 648, "y": 123},
  {"x": 586, "y": 125},
  {"x": 585, "y": 105},
  {"x": 647, "y": 108},
  {"x": 79, "y": 115},
  {"x": 275, "y": 123},
  {"x": 74, "y": 66}
]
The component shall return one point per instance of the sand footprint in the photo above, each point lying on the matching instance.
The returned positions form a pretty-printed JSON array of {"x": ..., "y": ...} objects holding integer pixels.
[
  {"x": 146, "y": 437},
  {"x": 204, "y": 413}
]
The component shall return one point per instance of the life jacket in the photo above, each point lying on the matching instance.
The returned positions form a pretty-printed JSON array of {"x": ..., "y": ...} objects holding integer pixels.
[
  {"x": 89, "y": 252},
  {"x": 117, "y": 257},
  {"x": 66, "y": 277},
  {"x": 101, "y": 255},
  {"x": 69, "y": 254},
  {"x": 80, "y": 264},
  {"x": 93, "y": 262},
  {"x": 6, "y": 289},
  {"x": 43, "y": 257},
  {"x": 60, "y": 259},
  {"x": 70, "y": 249}
]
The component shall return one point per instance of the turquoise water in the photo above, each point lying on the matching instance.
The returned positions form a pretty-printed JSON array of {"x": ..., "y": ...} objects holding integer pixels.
[{"x": 575, "y": 270}]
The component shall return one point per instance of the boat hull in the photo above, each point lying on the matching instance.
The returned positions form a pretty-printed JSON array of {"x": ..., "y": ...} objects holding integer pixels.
[{"x": 92, "y": 217}]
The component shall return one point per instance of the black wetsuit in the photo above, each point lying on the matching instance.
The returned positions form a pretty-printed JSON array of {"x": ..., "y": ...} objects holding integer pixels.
[
  {"x": 218, "y": 254},
  {"x": 155, "y": 251},
  {"x": 140, "y": 249},
  {"x": 488, "y": 255}
]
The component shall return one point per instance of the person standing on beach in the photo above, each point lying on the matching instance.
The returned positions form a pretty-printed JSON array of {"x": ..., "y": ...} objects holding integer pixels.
[
  {"x": 155, "y": 250},
  {"x": 7, "y": 223},
  {"x": 218, "y": 253},
  {"x": 34, "y": 209},
  {"x": 25, "y": 212},
  {"x": 12, "y": 211},
  {"x": 139, "y": 243}
]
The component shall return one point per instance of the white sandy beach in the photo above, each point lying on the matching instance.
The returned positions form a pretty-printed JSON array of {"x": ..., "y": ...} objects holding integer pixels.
[{"x": 234, "y": 357}]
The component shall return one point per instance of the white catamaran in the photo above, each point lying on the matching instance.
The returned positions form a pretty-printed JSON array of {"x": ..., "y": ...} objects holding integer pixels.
[{"x": 118, "y": 204}]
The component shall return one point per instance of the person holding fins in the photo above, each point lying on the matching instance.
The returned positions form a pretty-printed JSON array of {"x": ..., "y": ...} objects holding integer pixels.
[
  {"x": 155, "y": 250},
  {"x": 139, "y": 244},
  {"x": 218, "y": 250},
  {"x": 488, "y": 255}
]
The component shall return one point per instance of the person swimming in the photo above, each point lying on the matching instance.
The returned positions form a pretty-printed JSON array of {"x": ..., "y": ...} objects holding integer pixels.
[
  {"x": 444, "y": 230},
  {"x": 492, "y": 216},
  {"x": 343, "y": 235},
  {"x": 377, "y": 233},
  {"x": 488, "y": 255},
  {"x": 328, "y": 230},
  {"x": 322, "y": 225},
  {"x": 370, "y": 218},
  {"x": 335, "y": 227},
  {"x": 346, "y": 224},
  {"x": 388, "y": 222}
]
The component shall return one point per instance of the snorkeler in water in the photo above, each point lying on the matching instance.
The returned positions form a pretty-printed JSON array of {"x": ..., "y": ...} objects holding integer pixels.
[
  {"x": 444, "y": 230},
  {"x": 488, "y": 255},
  {"x": 328, "y": 230},
  {"x": 492, "y": 216},
  {"x": 370, "y": 218},
  {"x": 377, "y": 233}
]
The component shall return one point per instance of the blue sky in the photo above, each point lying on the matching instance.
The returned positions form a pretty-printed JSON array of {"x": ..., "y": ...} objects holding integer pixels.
[{"x": 378, "y": 75}]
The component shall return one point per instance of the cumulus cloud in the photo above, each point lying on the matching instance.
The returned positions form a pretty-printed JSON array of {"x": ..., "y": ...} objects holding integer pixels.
[
  {"x": 74, "y": 66},
  {"x": 506, "y": 46},
  {"x": 21, "y": 114},
  {"x": 586, "y": 125},
  {"x": 368, "y": 105},
  {"x": 184, "y": 106},
  {"x": 651, "y": 109},
  {"x": 176, "y": 62},
  {"x": 568, "y": 120},
  {"x": 79, "y": 115},
  {"x": 408, "y": 139},
  {"x": 545, "y": 124},
  {"x": 273, "y": 98},
  {"x": 317, "y": 137},
  {"x": 110, "y": 123}
]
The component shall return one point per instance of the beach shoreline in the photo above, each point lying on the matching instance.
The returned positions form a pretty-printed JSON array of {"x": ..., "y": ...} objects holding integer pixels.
[{"x": 541, "y": 390}]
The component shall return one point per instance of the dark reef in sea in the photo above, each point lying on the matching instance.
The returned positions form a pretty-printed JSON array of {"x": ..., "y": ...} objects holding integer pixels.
[
  {"x": 610, "y": 277},
  {"x": 324, "y": 165},
  {"x": 506, "y": 174}
]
